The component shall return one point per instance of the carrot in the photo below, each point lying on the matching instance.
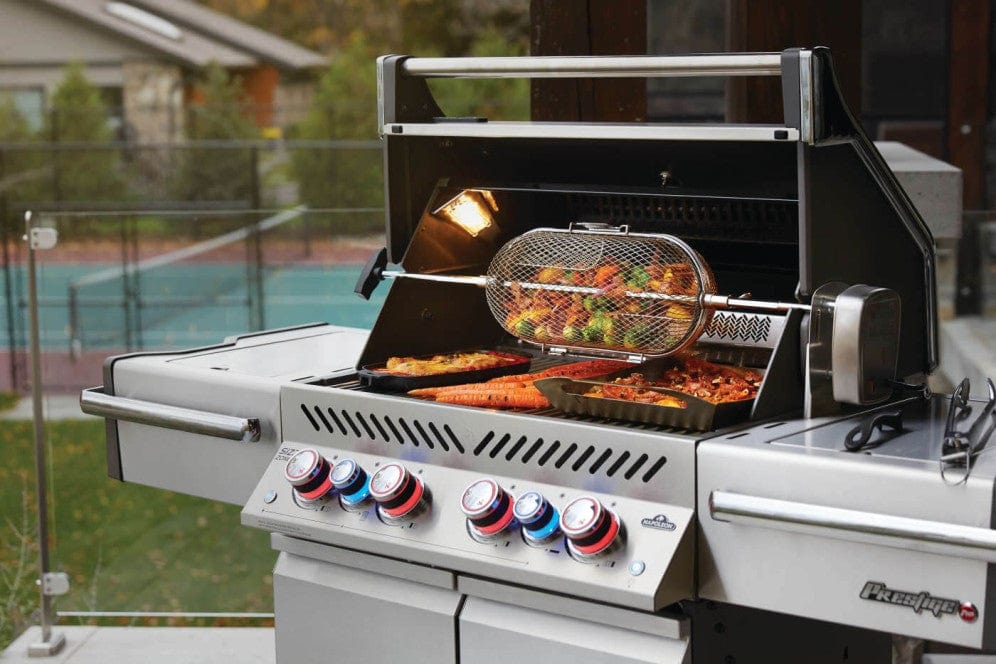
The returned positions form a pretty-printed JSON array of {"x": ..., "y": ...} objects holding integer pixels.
[
  {"x": 435, "y": 392},
  {"x": 584, "y": 369},
  {"x": 519, "y": 397}
]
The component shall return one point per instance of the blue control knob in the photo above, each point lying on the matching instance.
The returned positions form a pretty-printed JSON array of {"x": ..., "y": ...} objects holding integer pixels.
[
  {"x": 352, "y": 483},
  {"x": 540, "y": 520}
]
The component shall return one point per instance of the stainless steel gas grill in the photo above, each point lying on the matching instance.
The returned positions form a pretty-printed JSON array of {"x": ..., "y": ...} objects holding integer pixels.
[{"x": 809, "y": 525}]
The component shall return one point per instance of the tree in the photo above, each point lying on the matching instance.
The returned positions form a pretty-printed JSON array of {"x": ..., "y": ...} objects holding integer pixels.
[
  {"x": 89, "y": 171},
  {"x": 19, "y": 167},
  {"x": 217, "y": 113},
  {"x": 344, "y": 108}
]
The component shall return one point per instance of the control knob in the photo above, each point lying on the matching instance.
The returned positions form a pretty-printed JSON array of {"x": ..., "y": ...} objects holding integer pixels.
[
  {"x": 308, "y": 472},
  {"x": 591, "y": 529},
  {"x": 488, "y": 509},
  {"x": 540, "y": 520},
  {"x": 400, "y": 496},
  {"x": 352, "y": 483}
]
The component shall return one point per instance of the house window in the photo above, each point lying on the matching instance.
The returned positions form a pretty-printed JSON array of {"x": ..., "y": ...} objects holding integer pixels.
[{"x": 28, "y": 102}]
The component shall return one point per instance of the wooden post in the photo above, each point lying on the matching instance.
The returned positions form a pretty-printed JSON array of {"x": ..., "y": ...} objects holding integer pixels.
[
  {"x": 774, "y": 25},
  {"x": 589, "y": 27},
  {"x": 968, "y": 97}
]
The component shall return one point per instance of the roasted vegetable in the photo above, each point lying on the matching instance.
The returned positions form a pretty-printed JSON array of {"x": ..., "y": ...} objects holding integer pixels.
[
  {"x": 525, "y": 328},
  {"x": 637, "y": 278}
]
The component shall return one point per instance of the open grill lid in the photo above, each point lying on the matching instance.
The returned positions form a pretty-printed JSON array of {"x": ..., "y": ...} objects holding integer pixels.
[{"x": 778, "y": 209}]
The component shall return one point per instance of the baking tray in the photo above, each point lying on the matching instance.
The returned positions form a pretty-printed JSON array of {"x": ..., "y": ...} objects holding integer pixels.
[
  {"x": 373, "y": 376},
  {"x": 567, "y": 394}
]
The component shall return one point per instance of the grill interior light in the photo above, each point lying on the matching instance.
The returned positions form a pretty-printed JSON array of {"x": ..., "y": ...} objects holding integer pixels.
[{"x": 472, "y": 210}]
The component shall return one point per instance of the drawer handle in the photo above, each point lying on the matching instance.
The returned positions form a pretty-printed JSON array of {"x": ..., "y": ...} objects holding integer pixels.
[
  {"x": 853, "y": 525},
  {"x": 94, "y": 401}
]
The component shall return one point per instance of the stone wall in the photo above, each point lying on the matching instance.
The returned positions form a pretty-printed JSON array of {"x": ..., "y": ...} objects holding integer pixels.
[{"x": 152, "y": 95}]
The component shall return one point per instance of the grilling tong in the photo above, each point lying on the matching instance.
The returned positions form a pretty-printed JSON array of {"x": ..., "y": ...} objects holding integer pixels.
[{"x": 960, "y": 448}]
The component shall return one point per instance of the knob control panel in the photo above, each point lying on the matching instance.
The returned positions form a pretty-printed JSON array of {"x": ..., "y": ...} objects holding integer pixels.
[
  {"x": 540, "y": 520},
  {"x": 400, "y": 496},
  {"x": 591, "y": 529},
  {"x": 308, "y": 472},
  {"x": 488, "y": 508},
  {"x": 522, "y": 531}
]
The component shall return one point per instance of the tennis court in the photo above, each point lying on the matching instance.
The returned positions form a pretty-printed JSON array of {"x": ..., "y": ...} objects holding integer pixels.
[{"x": 185, "y": 304}]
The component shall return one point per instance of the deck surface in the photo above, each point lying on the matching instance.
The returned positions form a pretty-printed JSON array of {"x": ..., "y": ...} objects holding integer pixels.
[{"x": 150, "y": 645}]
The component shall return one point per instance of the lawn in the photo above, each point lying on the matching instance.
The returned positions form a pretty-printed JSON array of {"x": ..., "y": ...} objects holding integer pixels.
[{"x": 125, "y": 547}]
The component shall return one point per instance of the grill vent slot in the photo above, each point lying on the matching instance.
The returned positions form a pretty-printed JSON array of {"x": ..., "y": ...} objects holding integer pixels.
[
  {"x": 394, "y": 430},
  {"x": 425, "y": 437},
  {"x": 456, "y": 441},
  {"x": 499, "y": 445},
  {"x": 383, "y": 434},
  {"x": 566, "y": 455},
  {"x": 304, "y": 409},
  {"x": 549, "y": 453},
  {"x": 442, "y": 441},
  {"x": 654, "y": 468},
  {"x": 515, "y": 448},
  {"x": 408, "y": 431},
  {"x": 532, "y": 450}
]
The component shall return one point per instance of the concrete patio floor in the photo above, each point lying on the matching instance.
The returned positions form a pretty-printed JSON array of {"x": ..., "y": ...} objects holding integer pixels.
[{"x": 150, "y": 645}]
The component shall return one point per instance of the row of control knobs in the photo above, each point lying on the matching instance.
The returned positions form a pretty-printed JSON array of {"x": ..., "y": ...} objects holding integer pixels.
[{"x": 590, "y": 529}]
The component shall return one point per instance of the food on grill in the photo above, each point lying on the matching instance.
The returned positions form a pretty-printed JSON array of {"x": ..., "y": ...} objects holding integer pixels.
[
  {"x": 499, "y": 396},
  {"x": 714, "y": 383},
  {"x": 632, "y": 388},
  {"x": 516, "y": 391},
  {"x": 447, "y": 363},
  {"x": 612, "y": 313}
]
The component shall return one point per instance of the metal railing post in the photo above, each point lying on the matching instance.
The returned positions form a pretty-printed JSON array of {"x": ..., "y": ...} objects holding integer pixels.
[{"x": 51, "y": 643}]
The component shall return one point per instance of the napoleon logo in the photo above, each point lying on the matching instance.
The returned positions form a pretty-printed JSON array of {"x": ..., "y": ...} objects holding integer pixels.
[
  {"x": 919, "y": 602},
  {"x": 659, "y": 522}
]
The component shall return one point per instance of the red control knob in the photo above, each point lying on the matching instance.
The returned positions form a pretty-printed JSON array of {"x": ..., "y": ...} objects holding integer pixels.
[
  {"x": 308, "y": 472},
  {"x": 591, "y": 529},
  {"x": 400, "y": 496},
  {"x": 488, "y": 508}
]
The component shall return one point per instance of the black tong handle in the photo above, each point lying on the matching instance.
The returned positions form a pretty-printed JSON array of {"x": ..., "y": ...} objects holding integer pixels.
[
  {"x": 860, "y": 435},
  {"x": 964, "y": 445}
]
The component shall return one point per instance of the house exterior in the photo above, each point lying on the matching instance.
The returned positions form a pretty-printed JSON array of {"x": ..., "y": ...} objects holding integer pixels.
[{"x": 144, "y": 55}]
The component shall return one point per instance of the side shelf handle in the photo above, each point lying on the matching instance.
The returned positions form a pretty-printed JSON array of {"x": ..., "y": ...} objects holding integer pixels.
[
  {"x": 93, "y": 401},
  {"x": 906, "y": 533}
]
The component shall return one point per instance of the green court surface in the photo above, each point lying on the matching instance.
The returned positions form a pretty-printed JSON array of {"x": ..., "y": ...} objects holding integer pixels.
[{"x": 183, "y": 305}]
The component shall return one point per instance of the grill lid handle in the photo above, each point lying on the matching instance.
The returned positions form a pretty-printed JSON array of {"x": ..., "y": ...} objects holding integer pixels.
[
  {"x": 372, "y": 274},
  {"x": 732, "y": 64}
]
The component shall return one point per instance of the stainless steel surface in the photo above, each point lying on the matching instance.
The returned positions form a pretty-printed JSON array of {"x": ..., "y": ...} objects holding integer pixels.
[
  {"x": 819, "y": 572},
  {"x": 808, "y": 90},
  {"x": 602, "y": 131},
  {"x": 439, "y": 537},
  {"x": 668, "y": 624},
  {"x": 423, "y": 574},
  {"x": 327, "y": 612},
  {"x": 241, "y": 377},
  {"x": 243, "y": 429},
  {"x": 497, "y": 633},
  {"x": 941, "y": 538},
  {"x": 865, "y": 344},
  {"x": 734, "y": 64},
  {"x": 439, "y": 278}
]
